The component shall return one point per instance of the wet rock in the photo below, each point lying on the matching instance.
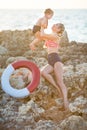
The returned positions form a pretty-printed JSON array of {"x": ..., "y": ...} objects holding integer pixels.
[
  {"x": 59, "y": 102},
  {"x": 31, "y": 105},
  {"x": 46, "y": 125},
  {"x": 43, "y": 109},
  {"x": 75, "y": 78},
  {"x": 21, "y": 78},
  {"x": 79, "y": 105},
  {"x": 64, "y": 40},
  {"x": 3, "y": 51},
  {"x": 13, "y": 59},
  {"x": 74, "y": 123}
]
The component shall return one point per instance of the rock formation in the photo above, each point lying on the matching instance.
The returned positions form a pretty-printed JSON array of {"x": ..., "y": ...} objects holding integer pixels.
[{"x": 43, "y": 109}]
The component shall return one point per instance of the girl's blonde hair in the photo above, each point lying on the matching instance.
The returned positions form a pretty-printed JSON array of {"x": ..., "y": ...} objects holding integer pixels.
[{"x": 48, "y": 11}]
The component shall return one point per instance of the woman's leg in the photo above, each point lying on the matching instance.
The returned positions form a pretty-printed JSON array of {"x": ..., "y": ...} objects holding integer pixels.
[
  {"x": 58, "y": 70},
  {"x": 46, "y": 73}
]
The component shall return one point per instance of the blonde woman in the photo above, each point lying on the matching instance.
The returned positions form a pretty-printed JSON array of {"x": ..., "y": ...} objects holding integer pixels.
[{"x": 55, "y": 64}]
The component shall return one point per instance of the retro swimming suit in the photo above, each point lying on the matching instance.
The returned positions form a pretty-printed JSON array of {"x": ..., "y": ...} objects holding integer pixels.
[{"x": 53, "y": 58}]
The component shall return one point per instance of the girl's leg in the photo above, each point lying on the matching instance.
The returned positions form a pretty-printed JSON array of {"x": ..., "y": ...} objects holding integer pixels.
[
  {"x": 46, "y": 73},
  {"x": 58, "y": 70}
]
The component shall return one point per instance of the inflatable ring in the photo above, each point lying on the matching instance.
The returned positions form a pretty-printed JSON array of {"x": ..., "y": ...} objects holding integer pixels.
[{"x": 31, "y": 86}]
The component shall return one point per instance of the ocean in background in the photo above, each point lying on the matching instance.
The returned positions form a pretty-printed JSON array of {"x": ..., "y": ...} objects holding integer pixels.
[{"x": 75, "y": 21}]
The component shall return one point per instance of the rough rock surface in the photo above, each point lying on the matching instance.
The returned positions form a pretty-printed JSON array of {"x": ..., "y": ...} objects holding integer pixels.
[{"x": 43, "y": 109}]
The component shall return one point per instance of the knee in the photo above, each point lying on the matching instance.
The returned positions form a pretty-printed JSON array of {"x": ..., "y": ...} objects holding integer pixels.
[{"x": 43, "y": 73}]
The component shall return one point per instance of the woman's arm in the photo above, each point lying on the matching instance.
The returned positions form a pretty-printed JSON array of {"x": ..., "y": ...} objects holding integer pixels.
[
  {"x": 45, "y": 36},
  {"x": 48, "y": 37}
]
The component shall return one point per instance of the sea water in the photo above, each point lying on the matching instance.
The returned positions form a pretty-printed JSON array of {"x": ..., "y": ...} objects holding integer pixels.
[{"x": 75, "y": 21}]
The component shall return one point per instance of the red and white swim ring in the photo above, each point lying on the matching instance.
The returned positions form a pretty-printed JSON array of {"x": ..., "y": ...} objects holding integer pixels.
[{"x": 20, "y": 93}]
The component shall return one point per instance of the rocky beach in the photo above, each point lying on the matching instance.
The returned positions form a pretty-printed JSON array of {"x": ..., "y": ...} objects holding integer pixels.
[{"x": 43, "y": 108}]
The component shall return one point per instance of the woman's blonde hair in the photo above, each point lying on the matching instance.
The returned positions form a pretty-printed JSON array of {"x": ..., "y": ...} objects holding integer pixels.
[{"x": 61, "y": 26}]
